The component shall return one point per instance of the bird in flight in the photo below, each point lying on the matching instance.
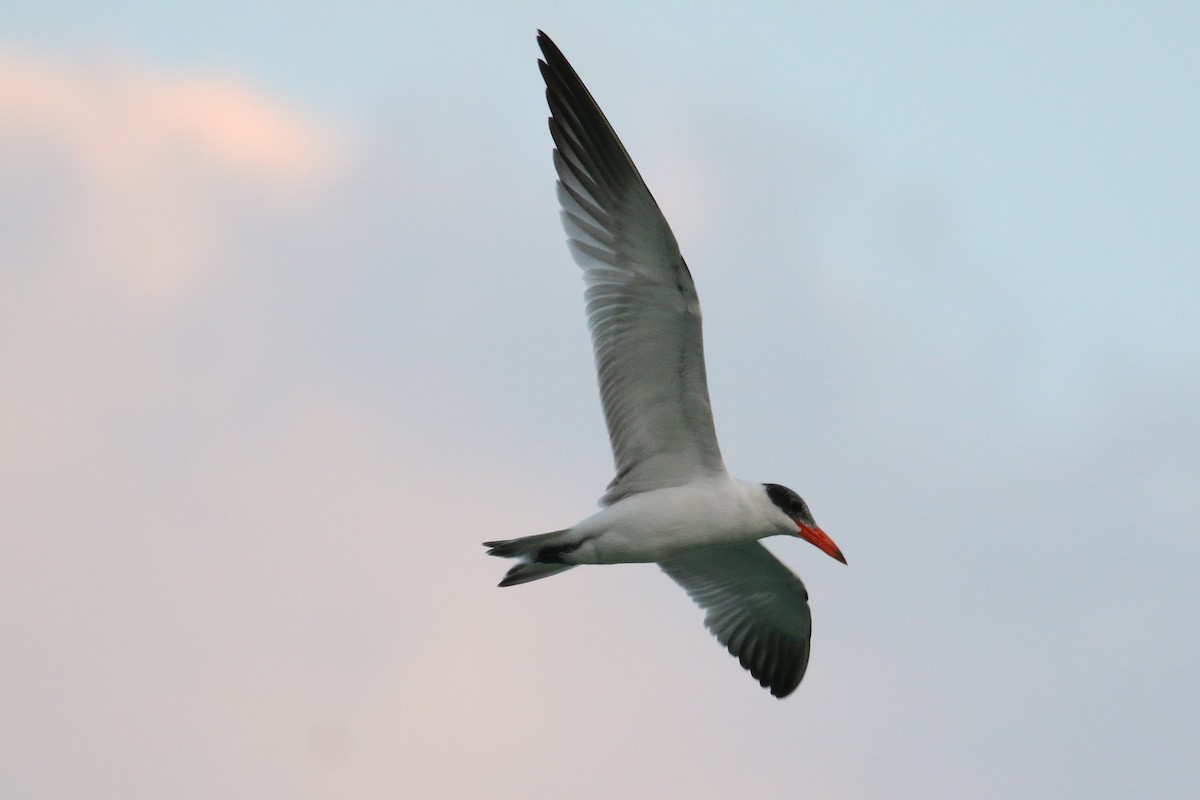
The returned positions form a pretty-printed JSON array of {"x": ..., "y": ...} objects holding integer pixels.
[{"x": 671, "y": 502}]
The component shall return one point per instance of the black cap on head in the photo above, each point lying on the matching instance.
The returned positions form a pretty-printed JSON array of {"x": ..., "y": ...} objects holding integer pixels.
[{"x": 789, "y": 502}]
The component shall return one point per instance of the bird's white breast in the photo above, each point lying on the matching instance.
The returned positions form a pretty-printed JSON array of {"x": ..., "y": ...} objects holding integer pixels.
[{"x": 652, "y": 525}]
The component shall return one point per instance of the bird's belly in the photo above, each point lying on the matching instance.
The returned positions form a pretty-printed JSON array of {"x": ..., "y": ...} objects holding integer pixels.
[
  {"x": 615, "y": 548},
  {"x": 653, "y": 533}
]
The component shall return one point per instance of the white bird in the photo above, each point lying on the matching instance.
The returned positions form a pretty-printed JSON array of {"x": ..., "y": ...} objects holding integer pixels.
[{"x": 672, "y": 501}]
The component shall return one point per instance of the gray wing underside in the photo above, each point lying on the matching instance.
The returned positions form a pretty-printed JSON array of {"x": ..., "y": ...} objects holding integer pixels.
[
  {"x": 754, "y": 605},
  {"x": 642, "y": 307}
]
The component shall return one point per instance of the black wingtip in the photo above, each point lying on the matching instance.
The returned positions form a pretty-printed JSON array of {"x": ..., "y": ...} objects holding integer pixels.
[
  {"x": 550, "y": 49},
  {"x": 545, "y": 43},
  {"x": 780, "y": 692}
]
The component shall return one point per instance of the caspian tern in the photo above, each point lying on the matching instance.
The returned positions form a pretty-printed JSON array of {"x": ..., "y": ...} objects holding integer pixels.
[{"x": 672, "y": 501}]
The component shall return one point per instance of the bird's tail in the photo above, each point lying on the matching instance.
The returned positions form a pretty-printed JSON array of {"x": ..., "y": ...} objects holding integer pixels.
[{"x": 540, "y": 556}]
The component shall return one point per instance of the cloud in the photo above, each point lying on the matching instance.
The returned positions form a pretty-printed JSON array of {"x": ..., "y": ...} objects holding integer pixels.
[{"x": 127, "y": 175}]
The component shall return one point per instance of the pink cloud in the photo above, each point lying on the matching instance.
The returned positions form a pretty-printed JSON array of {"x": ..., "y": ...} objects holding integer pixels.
[
  {"x": 118, "y": 115},
  {"x": 132, "y": 174}
]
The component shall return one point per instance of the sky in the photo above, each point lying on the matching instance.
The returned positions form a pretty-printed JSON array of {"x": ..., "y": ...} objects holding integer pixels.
[{"x": 288, "y": 327}]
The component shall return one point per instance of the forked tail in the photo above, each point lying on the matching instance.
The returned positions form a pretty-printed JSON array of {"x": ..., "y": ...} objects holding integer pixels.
[{"x": 540, "y": 556}]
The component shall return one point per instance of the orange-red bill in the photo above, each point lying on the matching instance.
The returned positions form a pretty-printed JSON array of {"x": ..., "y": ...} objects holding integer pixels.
[{"x": 818, "y": 537}]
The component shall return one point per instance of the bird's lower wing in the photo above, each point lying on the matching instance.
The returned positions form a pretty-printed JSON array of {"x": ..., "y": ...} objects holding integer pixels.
[{"x": 754, "y": 605}]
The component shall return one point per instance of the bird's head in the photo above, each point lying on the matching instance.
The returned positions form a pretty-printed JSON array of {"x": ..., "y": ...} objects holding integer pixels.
[{"x": 796, "y": 510}]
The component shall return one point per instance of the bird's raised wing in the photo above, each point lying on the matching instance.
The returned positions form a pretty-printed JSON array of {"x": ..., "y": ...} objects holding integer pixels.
[
  {"x": 641, "y": 303},
  {"x": 755, "y": 607}
]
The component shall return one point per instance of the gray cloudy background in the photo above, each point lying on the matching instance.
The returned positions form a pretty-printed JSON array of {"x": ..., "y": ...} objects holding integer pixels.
[{"x": 287, "y": 328}]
